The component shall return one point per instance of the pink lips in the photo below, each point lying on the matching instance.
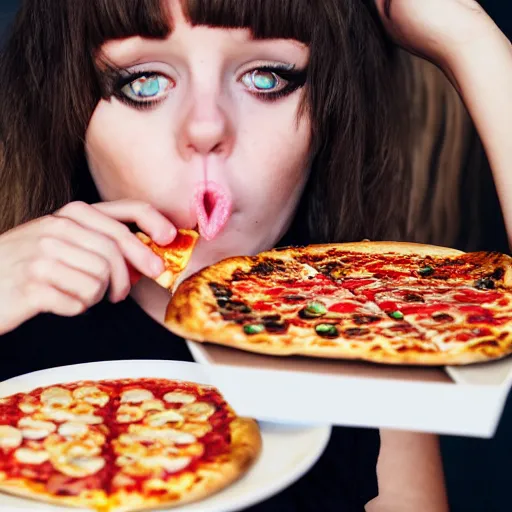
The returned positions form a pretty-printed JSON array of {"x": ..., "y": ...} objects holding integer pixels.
[{"x": 212, "y": 205}]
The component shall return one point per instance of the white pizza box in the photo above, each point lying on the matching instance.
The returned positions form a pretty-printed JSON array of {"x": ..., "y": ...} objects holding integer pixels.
[{"x": 465, "y": 401}]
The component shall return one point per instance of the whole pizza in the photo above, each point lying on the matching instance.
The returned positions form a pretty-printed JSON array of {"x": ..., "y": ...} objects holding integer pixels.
[
  {"x": 384, "y": 302},
  {"x": 122, "y": 445}
]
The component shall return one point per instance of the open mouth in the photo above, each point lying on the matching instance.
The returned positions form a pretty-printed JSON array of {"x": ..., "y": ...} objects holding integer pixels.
[{"x": 212, "y": 205}]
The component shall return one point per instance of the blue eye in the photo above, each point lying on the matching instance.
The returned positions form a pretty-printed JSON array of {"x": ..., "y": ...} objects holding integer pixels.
[
  {"x": 263, "y": 81},
  {"x": 147, "y": 87}
]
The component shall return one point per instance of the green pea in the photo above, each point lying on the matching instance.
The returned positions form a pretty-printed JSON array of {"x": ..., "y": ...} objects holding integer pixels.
[
  {"x": 328, "y": 330},
  {"x": 315, "y": 309},
  {"x": 253, "y": 328}
]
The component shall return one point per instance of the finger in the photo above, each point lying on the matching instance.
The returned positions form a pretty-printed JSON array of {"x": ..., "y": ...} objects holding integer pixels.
[
  {"x": 86, "y": 261},
  {"x": 137, "y": 253},
  {"x": 147, "y": 218},
  {"x": 73, "y": 233},
  {"x": 42, "y": 298},
  {"x": 79, "y": 285}
]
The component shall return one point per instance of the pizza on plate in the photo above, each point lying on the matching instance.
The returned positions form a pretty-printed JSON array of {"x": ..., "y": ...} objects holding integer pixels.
[
  {"x": 385, "y": 302},
  {"x": 176, "y": 255},
  {"x": 122, "y": 445}
]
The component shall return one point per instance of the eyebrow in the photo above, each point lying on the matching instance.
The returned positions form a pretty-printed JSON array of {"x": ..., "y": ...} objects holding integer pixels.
[{"x": 123, "y": 50}]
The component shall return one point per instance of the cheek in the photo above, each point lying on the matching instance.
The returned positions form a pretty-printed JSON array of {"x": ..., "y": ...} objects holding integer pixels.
[
  {"x": 277, "y": 147},
  {"x": 117, "y": 152}
]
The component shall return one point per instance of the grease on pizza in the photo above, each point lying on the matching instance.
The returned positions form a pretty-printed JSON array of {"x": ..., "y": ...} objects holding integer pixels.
[
  {"x": 385, "y": 302},
  {"x": 176, "y": 255},
  {"x": 122, "y": 445}
]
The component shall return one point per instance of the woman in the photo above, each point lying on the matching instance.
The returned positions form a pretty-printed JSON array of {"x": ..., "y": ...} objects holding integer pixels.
[{"x": 256, "y": 120}]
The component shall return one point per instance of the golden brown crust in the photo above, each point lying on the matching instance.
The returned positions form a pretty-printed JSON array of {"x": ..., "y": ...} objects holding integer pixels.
[
  {"x": 37, "y": 492},
  {"x": 209, "y": 478},
  {"x": 193, "y": 313}
]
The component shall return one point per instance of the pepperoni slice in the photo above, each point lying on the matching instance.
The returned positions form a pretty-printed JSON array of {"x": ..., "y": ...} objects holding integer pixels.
[
  {"x": 344, "y": 307},
  {"x": 476, "y": 297},
  {"x": 354, "y": 283}
]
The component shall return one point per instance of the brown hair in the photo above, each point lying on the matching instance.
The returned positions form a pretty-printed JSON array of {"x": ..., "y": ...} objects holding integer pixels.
[{"x": 379, "y": 116}]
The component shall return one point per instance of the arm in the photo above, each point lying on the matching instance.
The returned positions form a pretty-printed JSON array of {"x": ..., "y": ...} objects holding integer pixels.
[
  {"x": 461, "y": 39},
  {"x": 482, "y": 73},
  {"x": 410, "y": 474}
]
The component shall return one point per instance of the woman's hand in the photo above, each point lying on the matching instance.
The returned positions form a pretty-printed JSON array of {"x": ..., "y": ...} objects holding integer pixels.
[
  {"x": 66, "y": 262},
  {"x": 436, "y": 29}
]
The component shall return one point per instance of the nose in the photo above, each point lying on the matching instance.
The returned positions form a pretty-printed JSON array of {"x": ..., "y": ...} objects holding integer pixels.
[{"x": 206, "y": 129}]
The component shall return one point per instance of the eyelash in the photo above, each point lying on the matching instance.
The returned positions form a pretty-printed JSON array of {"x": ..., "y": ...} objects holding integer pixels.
[{"x": 296, "y": 79}]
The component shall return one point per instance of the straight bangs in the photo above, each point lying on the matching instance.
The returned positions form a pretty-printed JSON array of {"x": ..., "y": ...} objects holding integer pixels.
[{"x": 287, "y": 19}]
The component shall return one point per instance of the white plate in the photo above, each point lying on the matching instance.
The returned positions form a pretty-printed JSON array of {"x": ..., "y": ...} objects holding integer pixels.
[{"x": 288, "y": 451}]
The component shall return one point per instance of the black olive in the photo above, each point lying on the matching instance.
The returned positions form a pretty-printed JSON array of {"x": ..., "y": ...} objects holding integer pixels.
[
  {"x": 498, "y": 274},
  {"x": 355, "y": 331},
  {"x": 270, "y": 318},
  {"x": 426, "y": 271},
  {"x": 486, "y": 283},
  {"x": 220, "y": 290},
  {"x": 276, "y": 327},
  {"x": 443, "y": 317},
  {"x": 365, "y": 319},
  {"x": 294, "y": 297},
  {"x": 413, "y": 297},
  {"x": 236, "y": 305}
]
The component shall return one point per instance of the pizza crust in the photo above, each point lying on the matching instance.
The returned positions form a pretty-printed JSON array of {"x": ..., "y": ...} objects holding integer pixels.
[
  {"x": 193, "y": 314},
  {"x": 36, "y": 492},
  {"x": 210, "y": 478}
]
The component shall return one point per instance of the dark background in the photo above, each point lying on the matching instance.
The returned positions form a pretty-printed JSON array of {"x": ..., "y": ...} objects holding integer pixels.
[{"x": 478, "y": 472}]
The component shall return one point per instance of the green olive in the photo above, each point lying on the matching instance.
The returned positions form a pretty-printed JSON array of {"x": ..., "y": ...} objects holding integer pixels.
[
  {"x": 328, "y": 330},
  {"x": 254, "y": 328},
  {"x": 315, "y": 309}
]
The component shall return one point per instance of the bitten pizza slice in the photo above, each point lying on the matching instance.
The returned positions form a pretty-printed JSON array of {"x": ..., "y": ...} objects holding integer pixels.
[{"x": 176, "y": 255}]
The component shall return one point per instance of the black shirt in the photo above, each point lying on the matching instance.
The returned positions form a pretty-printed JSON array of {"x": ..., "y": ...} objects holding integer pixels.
[{"x": 344, "y": 478}]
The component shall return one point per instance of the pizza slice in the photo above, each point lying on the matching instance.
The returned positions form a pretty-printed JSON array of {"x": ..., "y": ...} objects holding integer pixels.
[{"x": 176, "y": 255}]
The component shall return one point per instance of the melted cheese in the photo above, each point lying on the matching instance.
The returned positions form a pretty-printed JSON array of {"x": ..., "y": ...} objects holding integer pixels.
[
  {"x": 152, "y": 405},
  {"x": 35, "y": 429},
  {"x": 73, "y": 429},
  {"x": 179, "y": 398},
  {"x": 159, "y": 419},
  {"x": 129, "y": 413},
  {"x": 178, "y": 485},
  {"x": 199, "y": 410},
  {"x": 28, "y": 456},
  {"x": 136, "y": 396},
  {"x": 79, "y": 467},
  {"x": 148, "y": 434},
  {"x": 28, "y": 407},
  {"x": 170, "y": 464},
  {"x": 56, "y": 396},
  {"x": 196, "y": 429},
  {"x": 76, "y": 415},
  {"x": 10, "y": 437},
  {"x": 91, "y": 395}
]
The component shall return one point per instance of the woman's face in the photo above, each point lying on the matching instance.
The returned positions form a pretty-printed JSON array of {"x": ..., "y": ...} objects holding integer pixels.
[{"x": 205, "y": 127}]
